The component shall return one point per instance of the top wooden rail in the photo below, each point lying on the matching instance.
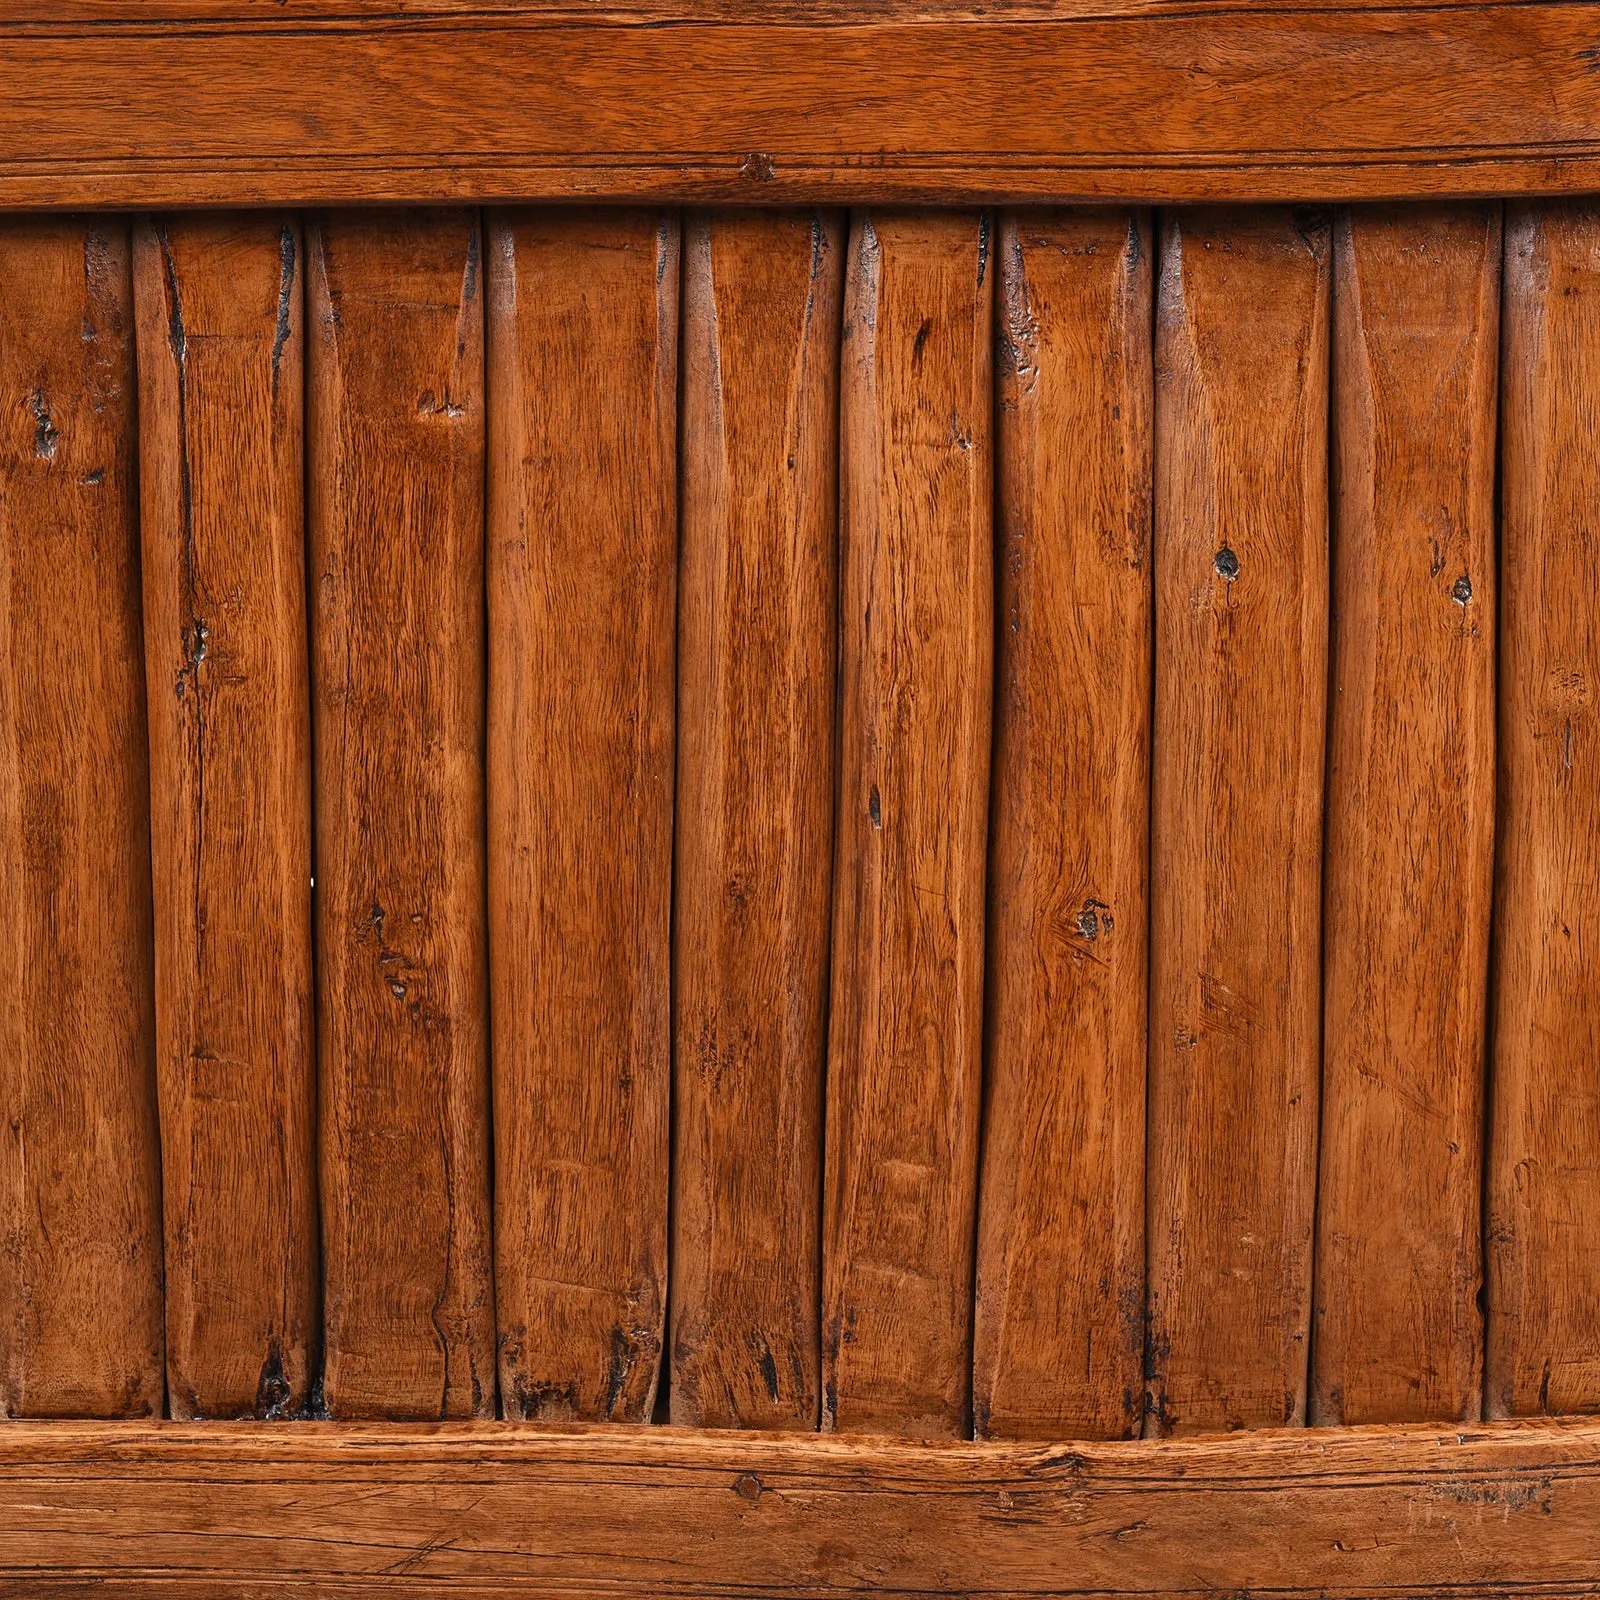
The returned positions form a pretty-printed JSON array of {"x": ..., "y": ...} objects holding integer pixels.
[{"x": 121, "y": 103}]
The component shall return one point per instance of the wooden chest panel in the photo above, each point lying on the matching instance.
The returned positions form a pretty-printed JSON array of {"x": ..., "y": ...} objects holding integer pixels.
[{"x": 889, "y": 888}]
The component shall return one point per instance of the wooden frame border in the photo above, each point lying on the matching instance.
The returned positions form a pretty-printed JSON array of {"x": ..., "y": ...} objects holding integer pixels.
[
  {"x": 252, "y": 1510},
  {"x": 235, "y": 102},
  {"x": 170, "y": 103}
]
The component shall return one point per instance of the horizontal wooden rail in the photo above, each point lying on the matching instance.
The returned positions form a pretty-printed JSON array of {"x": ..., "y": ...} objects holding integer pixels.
[
  {"x": 165, "y": 103},
  {"x": 250, "y": 1510}
]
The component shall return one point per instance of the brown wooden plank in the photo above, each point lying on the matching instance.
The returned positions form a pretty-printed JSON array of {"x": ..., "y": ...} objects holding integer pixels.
[
  {"x": 1410, "y": 823},
  {"x": 80, "y": 1175},
  {"x": 221, "y": 1511},
  {"x": 222, "y": 529},
  {"x": 582, "y": 588},
  {"x": 916, "y": 653},
  {"x": 396, "y": 440},
  {"x": 755, "y": 795},
  {"x": 1543, "y": 1344},
  {"x": 1236, "y": 835},
  {"x": 633, "y": 12},
  {"x": 1059, "y": 1332},
  {"x": 1204, "y": 104}
]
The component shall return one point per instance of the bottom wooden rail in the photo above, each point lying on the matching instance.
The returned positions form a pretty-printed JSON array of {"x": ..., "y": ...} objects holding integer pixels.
[{"x": 502, "y": 1509}]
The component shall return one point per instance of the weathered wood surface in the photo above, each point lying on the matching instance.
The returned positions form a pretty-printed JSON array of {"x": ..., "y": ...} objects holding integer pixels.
[
  {"x": 916, "y": 653},
  {"x": 582, "y": 590},
  {"x": 80, "y": 1197},
  {"x": 229, "y": 1510},
  {"x": 1208, "y": 102},
  {"x": 396, "y": 439},
  {"x": 222, "y": 531},
  {"x": 1059, "y": 1334},
  {"x": 755, "y": 796},
  {"x": 1410, "y": 829},
  {"x": 1544, "y": 1160},
  {"x": 1241, "y": 606},
  {"x": 1252, "y": 951},
  {"x": 637, "y": 12}
]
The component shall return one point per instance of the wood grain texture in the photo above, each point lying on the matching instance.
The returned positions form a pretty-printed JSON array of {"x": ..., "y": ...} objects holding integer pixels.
[
  {"x": 582, "y": 593},
  {"x": 1059, "y": 1332},
  {"x": 396, "y": 429},
  {"x": 222, "y": 528},
  {"x": 80, "y": 1175},
  {"x": 220, "y": 1510},
  {"x": 869, "y": 105},
  {"x": 755, "y": 794},
  {"x": 1410, "y": 824},
  {"x": 916, "y": 653},
  {"x": 626, "y": 13},
  {"x": 1543, "y": 1342},
  {"x": 1241, "y": 602}
]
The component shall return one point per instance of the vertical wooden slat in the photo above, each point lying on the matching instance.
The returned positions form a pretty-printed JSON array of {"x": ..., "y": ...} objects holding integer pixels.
[
  {"x": 1059, "y": 1337},
  {"x": 582, "y": 586},
  {"x": 396, "y": 440},
  {"x": 1543, "y": 1346},
  {"x": 1410, "y": 826},
  {"x": 755, "y": 795},
  {"x": 221, "y": 484},
  {"x": 1236, "y": 832},
  {"x": 80, "y": 1185},
  {"x": 905, "y": 1035}
]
